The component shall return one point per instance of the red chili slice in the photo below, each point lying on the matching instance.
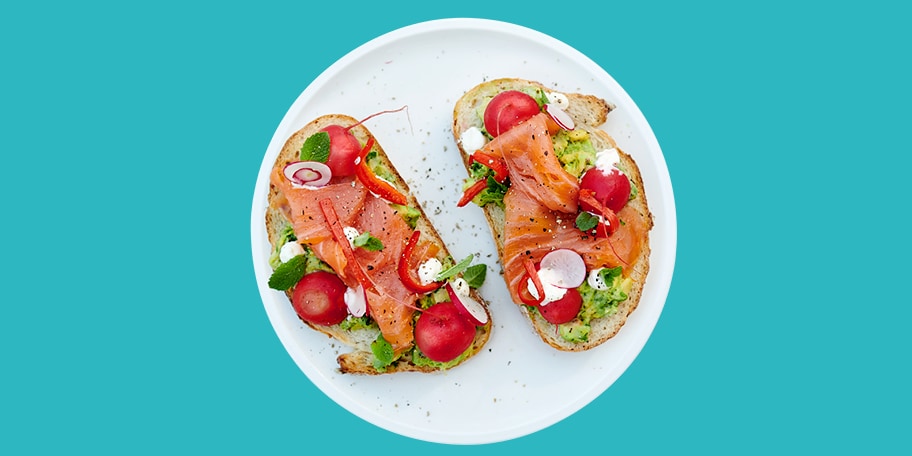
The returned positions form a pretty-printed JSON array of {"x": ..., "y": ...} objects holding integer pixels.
[
  {"x": 376, "y": 185},
  {"x": 496, "y": 164},
  {"x": 335, "y": 226},
  {"x": 472, "y": 192},
  {"x": 603, "y": 229},
  {"x": 404, "y": 270},
  {"x": 521, "y": 288}
]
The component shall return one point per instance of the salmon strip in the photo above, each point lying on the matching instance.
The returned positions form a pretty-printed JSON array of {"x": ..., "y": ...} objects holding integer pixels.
[
  {"x": 391, "y": 304},
  {"x": 529, "y": 155},
  {"x": 392, "y": 307},
  {"x": 310, "y": 227},
  {"x": 532, "y": 230}
]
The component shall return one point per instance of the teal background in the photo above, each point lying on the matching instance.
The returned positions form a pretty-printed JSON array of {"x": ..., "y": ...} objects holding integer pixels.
[{"x": 131, "y": 139}]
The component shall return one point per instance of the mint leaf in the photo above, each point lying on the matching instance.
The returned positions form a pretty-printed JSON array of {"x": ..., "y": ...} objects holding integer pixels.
[
  {"x": 367, "y": 242},
  {"x": 475, "y": 275},
  {"x": 586, "y": 221},
  {"x": 316, "y": 148},
  {"x": 609, "y": 274},
  {"x": 383, "y": 353},
  {"x": 459, "y": 267},
  {"x": 288, "y": 274}
]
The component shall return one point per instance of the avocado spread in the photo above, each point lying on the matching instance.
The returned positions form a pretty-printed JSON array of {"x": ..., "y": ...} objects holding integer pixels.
[{"x": 574, "y": 150}]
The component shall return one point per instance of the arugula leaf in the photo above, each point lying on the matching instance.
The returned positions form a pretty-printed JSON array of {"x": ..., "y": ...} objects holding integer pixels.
[
  {"x": 288, "y": 274},
  {"x": 316, "y": 148},
  {"x": 367, "y": 242},
  {"x": 459, "y": 267},
  {"x": 586, "y": 221},
  {"x": 475, "y": 275}
]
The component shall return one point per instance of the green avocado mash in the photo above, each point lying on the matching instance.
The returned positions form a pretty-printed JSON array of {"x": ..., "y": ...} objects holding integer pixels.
[
  {"x": 495, "y": 191},
  {"x": 574, "y": 150},
  {"x": 420, "y": 360}
]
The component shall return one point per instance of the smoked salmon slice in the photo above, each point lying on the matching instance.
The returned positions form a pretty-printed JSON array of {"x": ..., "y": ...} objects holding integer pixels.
[
  {"x": 533, "y": 167},
  {"x": 391, "y": 304},
  {"x": 531, "y": 230},
  {"x": 310, "y": 227}
]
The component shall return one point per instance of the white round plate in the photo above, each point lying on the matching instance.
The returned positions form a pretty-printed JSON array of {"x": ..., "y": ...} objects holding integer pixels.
[{"x": 517, "y": 385}]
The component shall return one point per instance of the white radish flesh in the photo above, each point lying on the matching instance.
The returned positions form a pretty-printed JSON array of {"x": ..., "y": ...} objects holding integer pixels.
[
  {"x": 307, "y": 173},
  {"x": 356, "y": 301},
  {"x": 565, "y": 268},
  {"x": 560, "y": 116},
  {"x": 470, "y": 308}
]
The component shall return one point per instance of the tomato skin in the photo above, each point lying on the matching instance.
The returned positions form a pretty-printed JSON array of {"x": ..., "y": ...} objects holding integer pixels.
[
  {"x": 343, "y": 150},
  {"x": 442, "y": 333},
  {"x": 611, "y": 188},
  {"x": 508, "y": 109},
  {"x": 564, "y": 309},
  {"x": 318, "y": 298}
]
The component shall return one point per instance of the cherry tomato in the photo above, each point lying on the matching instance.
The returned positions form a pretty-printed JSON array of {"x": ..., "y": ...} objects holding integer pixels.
[
  {"x": 564, "y": 309},
  {"x": 318, "y": 298},
  {"x": 442, "y": 333},
  {"x": 611, "y": 188},
  {"x": 343, "y": 150},
  {"x": 508, "y": 109}
]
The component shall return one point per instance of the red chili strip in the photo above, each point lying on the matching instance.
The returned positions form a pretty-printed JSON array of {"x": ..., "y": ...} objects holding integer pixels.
[
  {"x": 495, "y": 164},
  {"x": 373, "y": 183},
  {"x": 335, "y": 226},
  {"x": 472, "y": 192},
  {"x": 603, "y": 229},
  {"x": 405, "y": 272},
  {"x": 521, "y": 289}
]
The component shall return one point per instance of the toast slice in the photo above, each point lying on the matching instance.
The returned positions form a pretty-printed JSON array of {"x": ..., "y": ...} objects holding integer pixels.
[
  {"x": 361, "y": 333},
  {"x": 588, "y": 113}
]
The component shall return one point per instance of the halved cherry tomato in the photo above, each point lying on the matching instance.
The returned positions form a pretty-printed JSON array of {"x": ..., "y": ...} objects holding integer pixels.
[
  {"x": 442, "y": 333},
  {"x": 343, "y": 150},
  {"x": 564, "y": 309},
  {"x": 376, "y": 185},
  {"x": 472, "y": 192},
  {"x": 611, "y": 188},
  {"x": 508, "y": 109},
  {"x": 318, "y": 298},
  {"x": 405, "y": 271}
]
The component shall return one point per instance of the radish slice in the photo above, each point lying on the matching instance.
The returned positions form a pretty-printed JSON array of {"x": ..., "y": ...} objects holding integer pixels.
[
  {"x": 560, "y": 116},
  {"x": 356, "y": 301},
  {"x": 565, "y": 268},
  {"x": 468, "y": 307},
  {"x": 307, "y": 173}
]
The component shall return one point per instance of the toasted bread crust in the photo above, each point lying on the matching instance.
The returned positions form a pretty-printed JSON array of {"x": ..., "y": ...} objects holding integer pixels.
[
  {"x": 360, "y": 359},
  {"x": 588, "y": 112}
]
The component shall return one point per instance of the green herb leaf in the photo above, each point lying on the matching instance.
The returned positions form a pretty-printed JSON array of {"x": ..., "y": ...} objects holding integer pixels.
[
  {"x": 288, "y": 274},
  {"x": 367, "y": 242},
  {"x": 383, "y": 353},
  {"x": 316, "y": 148},
  {"x": 459, "y": 267},
  {"x": 586, "y": 221},
  {"x": 609, "y": 274},
  {"x": 541, "y": 97},
  {"x": 475, "y": 275}
]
